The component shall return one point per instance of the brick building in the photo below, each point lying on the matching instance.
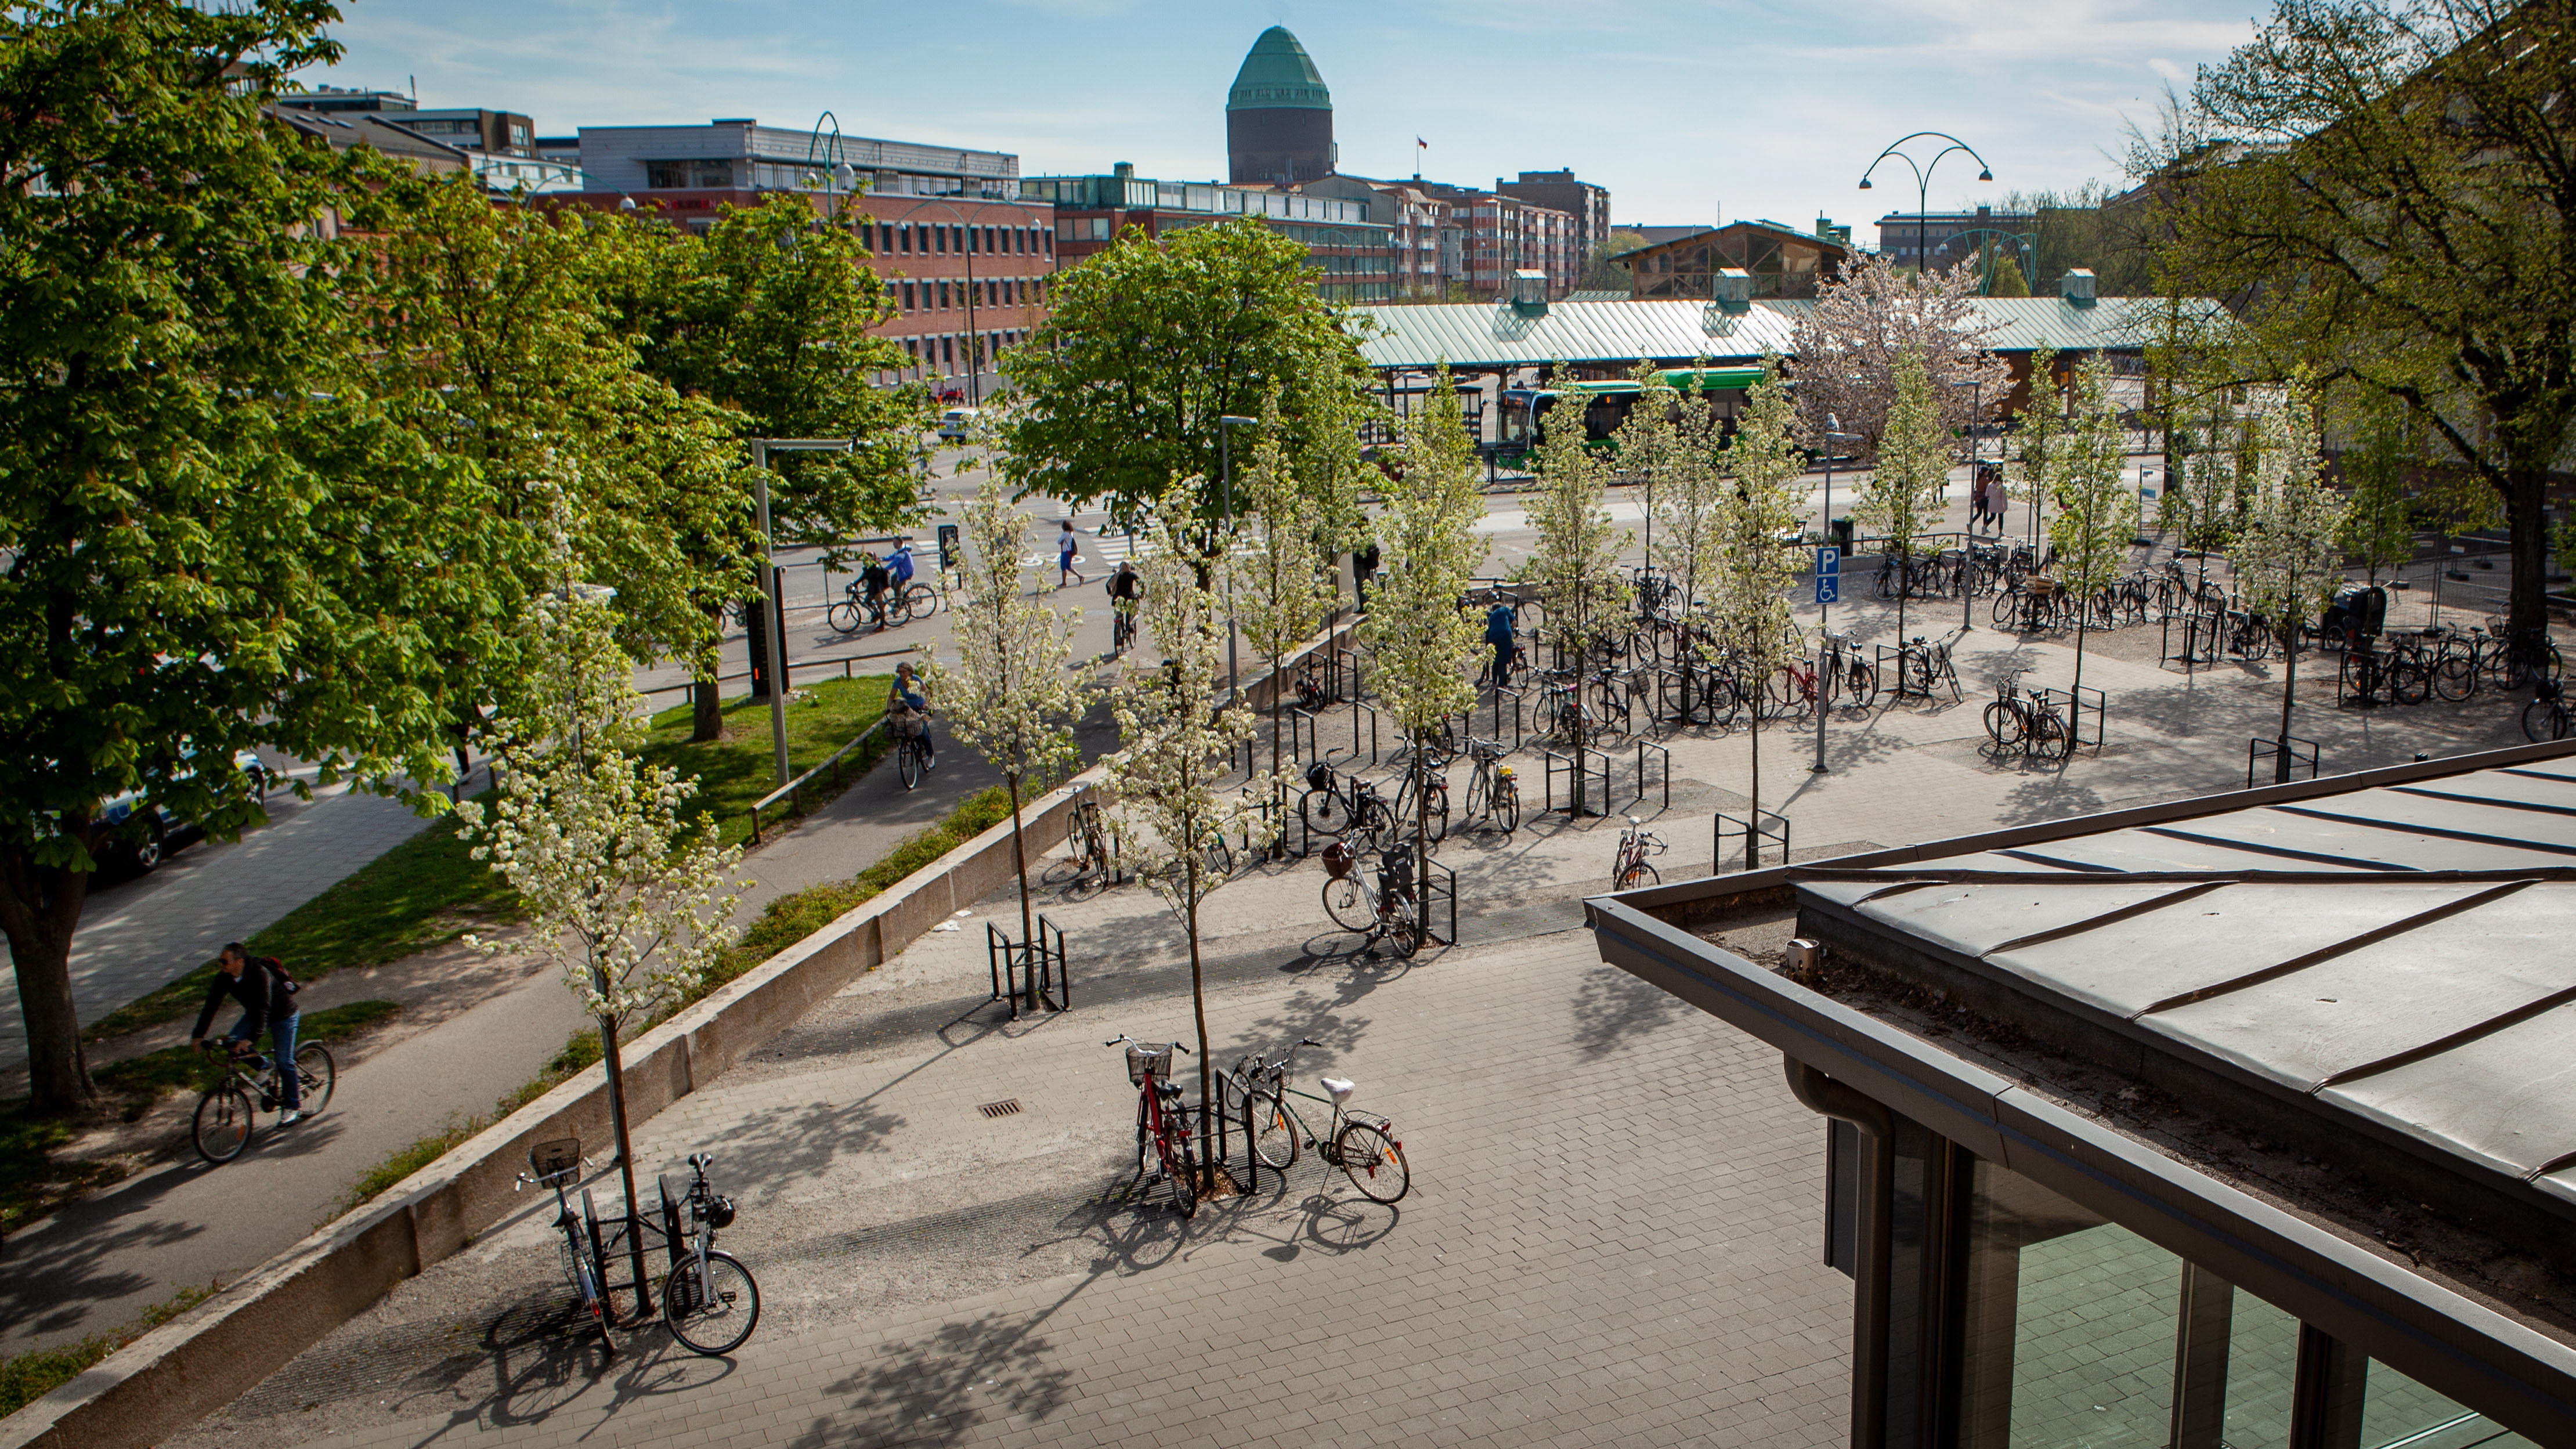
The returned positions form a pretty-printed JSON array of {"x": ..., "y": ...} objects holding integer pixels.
[
  {"x": 1354, "y": 253},
  {"x": 1588, "y": 204}
]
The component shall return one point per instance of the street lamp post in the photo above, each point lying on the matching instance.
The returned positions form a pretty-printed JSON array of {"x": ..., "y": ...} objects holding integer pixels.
[
  {"x": 969, "y": 232},
  {"x": 1225, "y": 427},
  {"x": 1967, "y": 552},
  {"x": 1825, "y": 611},
  {"x": 773, "y": 597},
  {"x": 1923, "y": 186}
]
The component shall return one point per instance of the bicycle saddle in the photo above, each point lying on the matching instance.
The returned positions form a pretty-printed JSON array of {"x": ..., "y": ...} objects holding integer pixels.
[{"x": 1340, "y": 1088}]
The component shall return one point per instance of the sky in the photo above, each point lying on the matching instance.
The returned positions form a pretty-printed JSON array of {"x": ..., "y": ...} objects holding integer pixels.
[{"x": 1701, "y": 112}]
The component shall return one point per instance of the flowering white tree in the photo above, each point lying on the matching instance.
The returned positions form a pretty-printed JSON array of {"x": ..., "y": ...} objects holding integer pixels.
[
  {"x": 2042, "y": 424},
  {"x": 1850, "y": 344},
  {"x": 1680, "y": 460},
  {"x": 1009, "y": 696},
  {"x": 626, "y": 896},
  {"x": 2289, "y": 558},
  {"x": 1282, "y": 575},
  {"x": 2097, "y": 509},
  {"x": 1177, "y": 747},
  {"x": 1424, "y": 644},
  {"x": 1575, "y": 568},
  {"x": 1914, "y": 454},
  {"x": 1754, "y": 519}
]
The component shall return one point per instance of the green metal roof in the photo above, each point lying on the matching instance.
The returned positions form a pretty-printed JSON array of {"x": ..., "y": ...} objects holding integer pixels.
[
  {"x": 1482, "y": 334},
  {"x": 1278, "y": 75}
]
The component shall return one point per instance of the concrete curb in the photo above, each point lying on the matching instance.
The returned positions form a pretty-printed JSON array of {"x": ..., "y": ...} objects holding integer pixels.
[{"x": 215, "y": 1352}]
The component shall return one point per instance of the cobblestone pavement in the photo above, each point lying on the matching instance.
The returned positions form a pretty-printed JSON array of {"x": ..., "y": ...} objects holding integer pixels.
[{"x": 1611, "y": 1234}]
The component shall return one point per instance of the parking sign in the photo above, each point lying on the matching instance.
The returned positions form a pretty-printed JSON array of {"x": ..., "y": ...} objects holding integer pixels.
[{"x": 1829, "y": 575}]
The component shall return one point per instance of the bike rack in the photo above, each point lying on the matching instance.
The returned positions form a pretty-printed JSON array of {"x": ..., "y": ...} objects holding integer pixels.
[
  {"x": 1302, "y": 741},
  {"x": 2257, "y": 751},
  {"x": 1579, "y": 771},
  {"x": 1519, "y": 697},
  {"x": 1760, "y": 826},
  {"x": 1438, "y": 884},
  {"x": 1359, "y": 707},
  {"x": 2078, "y": 705},
  {"x": 1037, "y": 968},
  {"x": 1664, "y": 773}
]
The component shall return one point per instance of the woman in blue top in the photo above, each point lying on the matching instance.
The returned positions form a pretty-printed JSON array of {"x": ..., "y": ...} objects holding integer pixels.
[{"x": 1066, "y": 546}]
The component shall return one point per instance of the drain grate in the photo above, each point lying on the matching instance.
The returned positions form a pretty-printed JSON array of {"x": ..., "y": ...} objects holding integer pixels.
[{"x": 1010, "y": 1108}]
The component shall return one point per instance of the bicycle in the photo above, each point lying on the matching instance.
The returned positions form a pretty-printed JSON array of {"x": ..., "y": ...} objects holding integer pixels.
[
  {"x": 1560, "y": 713},
  {"x": 1845, "y": 676},
  {"x": 1630, "y": 870},
  {"x": 1422, "y": 796},
  {"x": 1362, "y": 1144},
  {"x": 1387, "y": 907},
  {"x": 229, "y": 1109},
  {"x": 1493, "y": 788},
  {"x": 710, "y": 1301},
  {"x": 2547, "y": 716},
  {"x": 1163, "y": 1143},
  {"x": 2015, "y": 721},
  {"x": 1338, "y": 805},
  {"x": 912, "y": 755},
  {"x": 1122, "y": 627},
  {"x": 1921, "y": 665},
  {"x": 557, "y": 1164}
]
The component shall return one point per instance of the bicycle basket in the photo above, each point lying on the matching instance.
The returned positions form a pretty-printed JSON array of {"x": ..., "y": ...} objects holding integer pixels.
[
  {"x": 1337, "y": 859},
  {"x": 1144, "y": 1061},
  {"x": 909, "y": 725},
  {"x": 553, "y": 1159}
]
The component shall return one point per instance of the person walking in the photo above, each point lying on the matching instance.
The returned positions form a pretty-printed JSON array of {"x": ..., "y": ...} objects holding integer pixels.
[
  {"x": 1502, "y": 627},
  {"x": 1067, "y": 554},
  {"x": 267, "y": 996}
]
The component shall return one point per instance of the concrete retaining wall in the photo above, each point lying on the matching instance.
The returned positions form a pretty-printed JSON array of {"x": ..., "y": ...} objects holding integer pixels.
[{"x": 214, "y": 1353}]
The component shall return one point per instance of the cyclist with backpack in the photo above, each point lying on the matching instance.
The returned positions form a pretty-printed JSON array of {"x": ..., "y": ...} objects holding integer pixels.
[
  {"x": 1124, "y": 590},
  {"x": 266, "y": 992}
]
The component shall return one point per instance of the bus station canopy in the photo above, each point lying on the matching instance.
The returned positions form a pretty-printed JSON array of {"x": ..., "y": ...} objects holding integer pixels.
[{"x": 1481, "y": 335}]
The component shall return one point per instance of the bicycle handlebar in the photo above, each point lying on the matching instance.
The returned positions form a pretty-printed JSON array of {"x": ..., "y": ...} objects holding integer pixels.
[{"x": 1123, "y": 1038}]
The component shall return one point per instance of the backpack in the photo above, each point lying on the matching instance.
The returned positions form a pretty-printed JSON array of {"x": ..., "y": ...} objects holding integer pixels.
[{"x": 278, "y": 969}]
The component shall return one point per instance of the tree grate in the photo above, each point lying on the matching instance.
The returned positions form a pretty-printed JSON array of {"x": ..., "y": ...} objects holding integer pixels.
[{"x": 1010, "y": 1108}]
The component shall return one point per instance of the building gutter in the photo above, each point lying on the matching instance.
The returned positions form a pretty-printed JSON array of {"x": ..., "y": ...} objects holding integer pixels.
[{"x": 1870, "y": 1278}]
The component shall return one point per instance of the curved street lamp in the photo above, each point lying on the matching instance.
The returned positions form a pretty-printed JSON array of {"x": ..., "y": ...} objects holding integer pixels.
[{"x": 1923, "y": 184}]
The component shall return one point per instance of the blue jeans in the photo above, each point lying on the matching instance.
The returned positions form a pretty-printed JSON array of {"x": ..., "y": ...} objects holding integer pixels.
[{"x": 281, "y": 1035}]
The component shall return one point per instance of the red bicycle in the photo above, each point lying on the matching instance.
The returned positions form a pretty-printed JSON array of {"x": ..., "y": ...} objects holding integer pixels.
[{"x": 1163, "y": 1145}]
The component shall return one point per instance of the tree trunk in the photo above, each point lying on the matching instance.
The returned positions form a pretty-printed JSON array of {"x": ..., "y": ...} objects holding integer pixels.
[
  {"x": 40, "y": 908},
  {"x": 2289, "y": 692},
  {"x": 625, "y": 1155},
  {"x": 706, "y": 704},
  {"x": 2527, "y": 612},
  {"x": 1753, "y": 812},
  {"x": 1020, "y": 859},
  {"x": 1198, "y": 1007},
  {"x": 1904, "y": 586}
]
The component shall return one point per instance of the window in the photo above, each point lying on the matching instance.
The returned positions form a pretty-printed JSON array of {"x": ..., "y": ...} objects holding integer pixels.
[
  {"x": 948, "y": 351},
  {"x": 943, "y": 296},
  {"x": 908, "y": 304}
]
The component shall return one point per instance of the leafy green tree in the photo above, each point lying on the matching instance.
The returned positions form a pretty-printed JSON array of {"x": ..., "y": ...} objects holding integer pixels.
[
  {"x": 2007, "y": 279},
  {"x": 1575, "y": 567},
  {"x": 1152, "y": 341},
  {"x": 1901, "y": 499},
  {"x": 2097, "y": 510},
  {"x": 2043, "y": 421},
  {"x": 1283, "y": 576},
  {"x": 489, "y": 335},
  {"x": 1755, "y": 519},
  {"x": 2288, "y": 561},
  {"x": 2378, "y": 518},
  {"x": 1422, "y": 642},
  {"x": 213, "y": 536},
  {"x": 2393, "y": 211}
]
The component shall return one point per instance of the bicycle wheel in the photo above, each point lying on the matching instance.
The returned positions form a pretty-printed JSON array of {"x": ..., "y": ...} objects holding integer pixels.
[
  {"x": 907, "y": 762},
  {"x": 714, "y": 1315},
  {"x": 1373, "y": 1161},
  {"x": 2455, "y": 679},
  {"x": 1437, "y": 811},
  {"x": 1507, "y": 806},
  {"x": 1270, "y": 1130},
  {"x": 2542, "y": 720},
  {"x": 1638, "y": 874},
  {"x": 317, "y": 1074},
  {"x": 2005, "y": 604},
  {"x": 2048, "y": 736},
  {"x": 1348, "y": 903},
  {"x": 1404, "y": 930},
  {"x": 2003, "y": 727},
  {"x": 222, "y": 1127},
  {"x": 843, "y": 617},
  {"x": 1220, "y": 857},
  {"x": 2410, "y": 683},
  {"x": 1180, "y": 1164},
  {"x": 920, "y": 601},
  {"x": 1323, "y": 812}
]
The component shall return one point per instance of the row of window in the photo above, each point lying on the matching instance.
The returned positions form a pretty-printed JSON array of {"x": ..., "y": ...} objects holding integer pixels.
[
  {"x": 943, "y": 295},
  {"x": 908, "y": 239},
  {"x": 938, "y": 356}
]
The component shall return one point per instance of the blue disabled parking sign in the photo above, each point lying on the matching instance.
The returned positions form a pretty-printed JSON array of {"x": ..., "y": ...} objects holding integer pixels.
[{"x": 1829, "y": 575}]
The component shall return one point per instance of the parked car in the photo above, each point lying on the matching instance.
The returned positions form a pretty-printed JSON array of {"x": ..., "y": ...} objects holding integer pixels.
[
  {"x": 147, "y": 847},
  {"x": 959, "y": 425}
]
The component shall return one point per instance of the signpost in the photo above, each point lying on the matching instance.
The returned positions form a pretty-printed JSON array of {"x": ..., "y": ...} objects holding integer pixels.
[
  {"x": 1829, "y": 575},
  {"x": 1829, "y": 590}
]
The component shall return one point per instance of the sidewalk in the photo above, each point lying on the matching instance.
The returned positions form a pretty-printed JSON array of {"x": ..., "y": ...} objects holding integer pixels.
[{"x": 1612, "y": 1228}]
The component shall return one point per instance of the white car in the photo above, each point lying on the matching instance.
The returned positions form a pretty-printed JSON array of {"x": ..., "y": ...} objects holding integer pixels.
[{"x": 958, "y": 425}]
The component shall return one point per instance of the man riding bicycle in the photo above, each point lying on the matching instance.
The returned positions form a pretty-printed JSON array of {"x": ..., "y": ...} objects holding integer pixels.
[
  {"x": 267, "y": 996},
  {"x": 1125, "y": 587},
  {"x": 874, "y": 579}
]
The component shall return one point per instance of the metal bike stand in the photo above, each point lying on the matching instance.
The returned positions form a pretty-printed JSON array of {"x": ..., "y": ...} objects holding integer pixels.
[
  {"x": 1438, "y": 886},
  {"x": 1361, "y": 707},
  {"x": 1762, "y": 825},
  {"x": 1036, "y": 968},
  {"x": 1582, "y": 762},
  {"x": 1663, "y": 771},
  {"x": 1302, "y": 741},
  {"x": 2259, "y": 750}
]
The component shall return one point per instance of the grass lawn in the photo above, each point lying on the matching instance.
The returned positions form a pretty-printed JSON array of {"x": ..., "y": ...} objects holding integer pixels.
[{"x": 743, "y": 766}]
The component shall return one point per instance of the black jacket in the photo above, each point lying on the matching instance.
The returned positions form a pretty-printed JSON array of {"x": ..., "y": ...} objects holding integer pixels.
[{"x": 262, "y": 990}]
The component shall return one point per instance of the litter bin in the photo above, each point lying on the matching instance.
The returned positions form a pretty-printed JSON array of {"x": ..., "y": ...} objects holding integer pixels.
[{"x": 1843, "y": 536}]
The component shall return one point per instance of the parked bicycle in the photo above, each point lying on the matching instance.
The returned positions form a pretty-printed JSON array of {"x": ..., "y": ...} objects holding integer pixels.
[
  {"x": 1163, "y": 1145},
  {"x": 1925, "y": 665},
  {"x": 2546, "y": 717},
  {"x": 1630, "y": 870},
  {"x": 1493, "y": 788},
  {"x": 1362, "y": 1144},
  {"x": 249, "y": 1086},
  {"x": 710, "y": 1301},
  {"x": 558, "y": 1164},
  {"x": 1342, "y": 805},
  {"x": 1384, "y": 903},
  {"x": 2024, "y": 724}
]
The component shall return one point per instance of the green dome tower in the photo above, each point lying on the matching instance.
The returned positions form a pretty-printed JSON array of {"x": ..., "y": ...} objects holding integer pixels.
[{"x": 1278, "y": 116}]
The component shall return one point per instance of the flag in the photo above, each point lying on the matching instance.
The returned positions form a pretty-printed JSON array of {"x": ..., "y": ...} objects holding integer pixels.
[{"x": 1421, "y": 145}]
